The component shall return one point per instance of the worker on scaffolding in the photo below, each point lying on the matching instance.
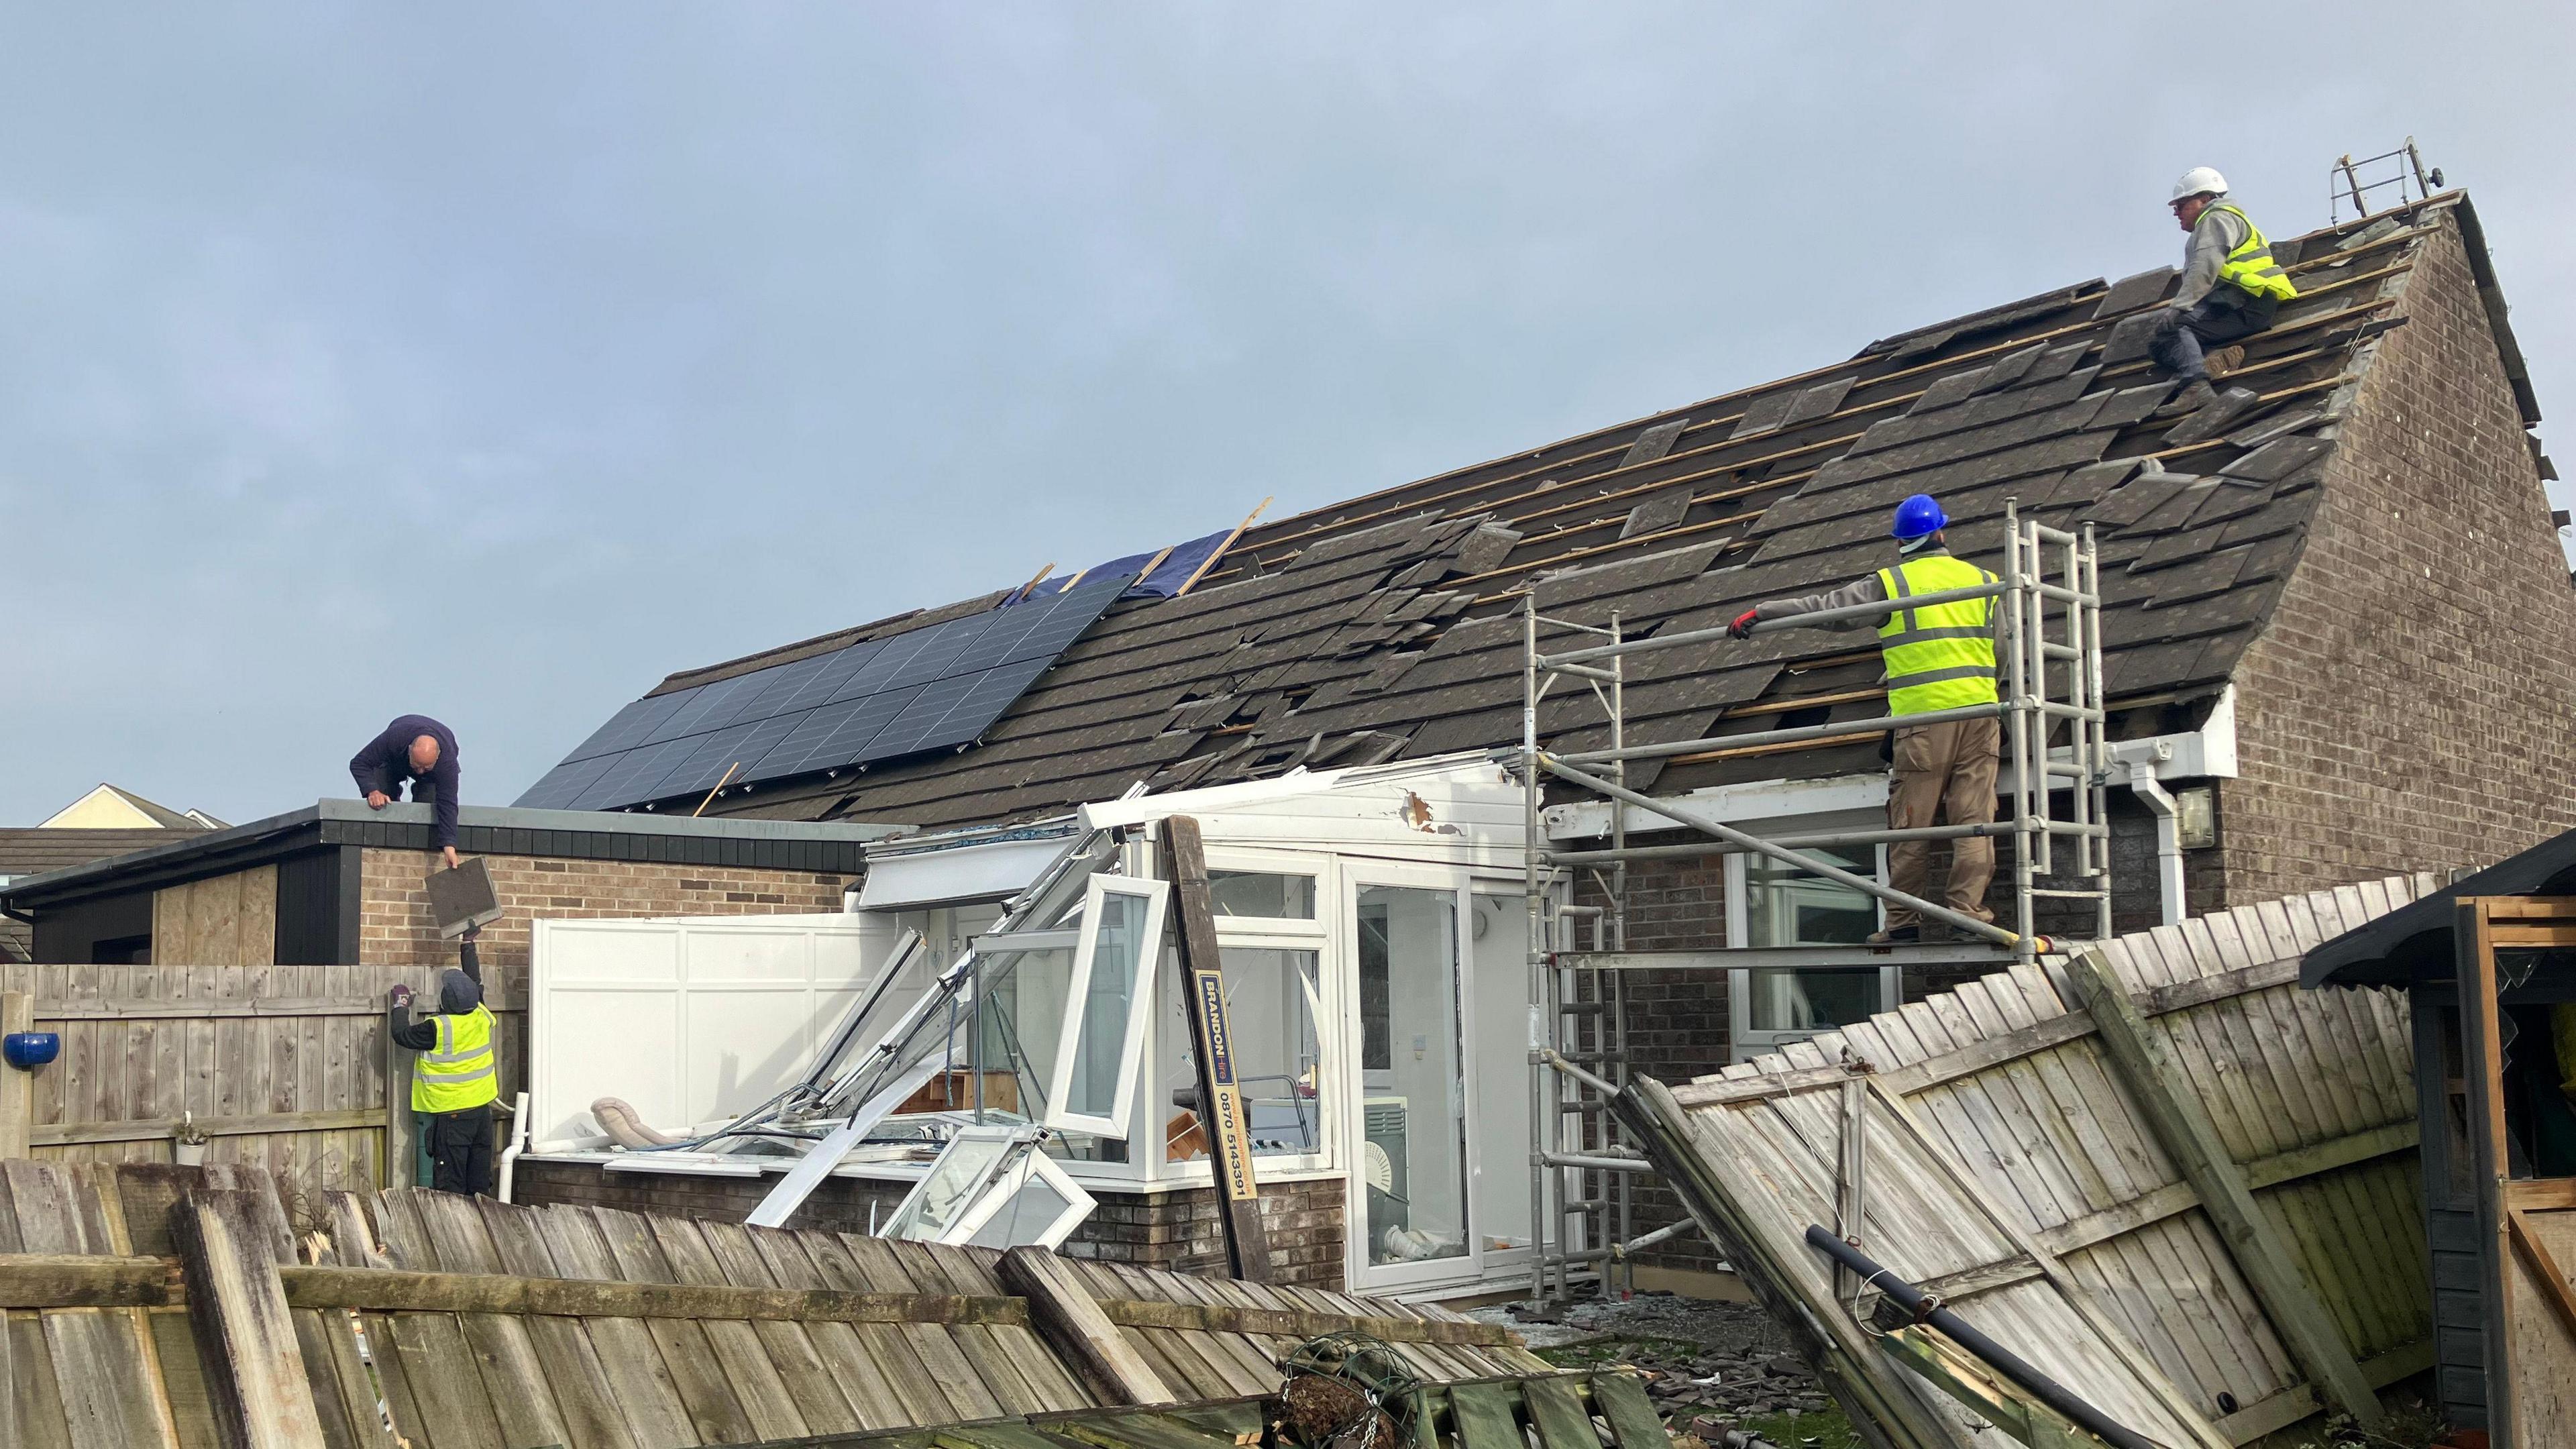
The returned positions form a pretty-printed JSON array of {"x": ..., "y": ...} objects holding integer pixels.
[
  {"x": 1938, "y": 657},
  {"x": 454, "y": 1083},
  {"x": 2231, "y": 286}
]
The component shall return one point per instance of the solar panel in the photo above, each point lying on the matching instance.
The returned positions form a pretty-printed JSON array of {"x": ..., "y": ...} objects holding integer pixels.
[
  {"x": 768, "y": 693},
  {"x": 927, "y": 689},
  {"x": 630, "y": 725},
  {"x": 954, "y": 711},
  {"x": 560, "y": 786},
  {"x": 836, "y": 734},
  {"x": 633, "y": 774}
]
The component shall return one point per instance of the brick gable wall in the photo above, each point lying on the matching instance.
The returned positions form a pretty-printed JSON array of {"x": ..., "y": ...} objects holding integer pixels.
[{"x": 2412, "y": 705}]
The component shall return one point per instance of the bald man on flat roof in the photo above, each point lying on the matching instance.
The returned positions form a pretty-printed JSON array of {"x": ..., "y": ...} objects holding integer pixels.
[{"x": 421, "y": 751}]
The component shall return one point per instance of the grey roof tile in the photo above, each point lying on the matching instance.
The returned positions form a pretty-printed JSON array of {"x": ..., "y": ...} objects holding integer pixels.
[
  {"x": 2277, "y": 459},
  {"x": 2279, "y": 425},
  {"x": 2130, "y": 293},
  {"x": 1820, "y": 401},
  {"x": 1763, "y": 415},
  {"x": 2128, "y": 340},
  {"x": 1653, "y": 443},
  {"x": 2010, "y": 368},
  {"x": 2213, "y": 417}
]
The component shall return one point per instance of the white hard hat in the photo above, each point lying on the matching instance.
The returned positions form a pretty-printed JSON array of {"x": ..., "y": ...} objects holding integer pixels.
[{"x": 2197, "y": 180}]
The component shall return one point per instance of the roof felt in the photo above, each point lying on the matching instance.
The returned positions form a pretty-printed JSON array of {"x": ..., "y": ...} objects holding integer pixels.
[{"x": 1388, "y": 625}]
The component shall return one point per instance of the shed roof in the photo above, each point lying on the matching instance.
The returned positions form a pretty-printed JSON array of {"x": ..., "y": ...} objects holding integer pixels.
[
  {"x": 2413, "y": 943},
  {"x": 1388, "y": 626}
]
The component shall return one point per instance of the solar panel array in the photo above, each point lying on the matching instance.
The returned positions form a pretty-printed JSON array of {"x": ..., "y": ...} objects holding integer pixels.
[{"x": 929, "y": 689}]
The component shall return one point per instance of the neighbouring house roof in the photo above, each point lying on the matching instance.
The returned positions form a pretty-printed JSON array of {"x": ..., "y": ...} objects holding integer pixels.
[
  {"x": 38, "y": 850},
  {"x": 113, "y": 807},
  {"x": 1389, "y": 626},
  {"x": 167, "y": 859},
  {"x": 2413, "y": 943}
]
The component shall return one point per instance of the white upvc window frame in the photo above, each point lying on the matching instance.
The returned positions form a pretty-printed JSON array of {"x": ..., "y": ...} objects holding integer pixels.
[
  {"x": 1744, "y": 1043},
  {"x": 1023, "y": 1158},
  {"x": 1140, "y": 1007},
  {"x": 1281, "y": 933}
]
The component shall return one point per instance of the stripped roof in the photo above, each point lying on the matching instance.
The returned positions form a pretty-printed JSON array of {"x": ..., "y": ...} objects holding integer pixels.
[{"x": 1388, "y": 626}]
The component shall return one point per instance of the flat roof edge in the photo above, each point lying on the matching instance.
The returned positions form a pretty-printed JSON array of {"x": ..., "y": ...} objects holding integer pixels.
[{"x": 216, "y": 843}]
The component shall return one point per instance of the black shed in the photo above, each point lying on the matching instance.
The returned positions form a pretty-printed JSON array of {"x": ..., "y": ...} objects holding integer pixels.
[{"x": 2489, "y": 966}]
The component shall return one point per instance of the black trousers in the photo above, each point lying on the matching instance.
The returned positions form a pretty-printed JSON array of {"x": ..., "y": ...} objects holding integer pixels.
[
  {"x": 460, "y": 1149},
  {"x": 389, "y": 779},
  {"x": 2228, "y": 314}
]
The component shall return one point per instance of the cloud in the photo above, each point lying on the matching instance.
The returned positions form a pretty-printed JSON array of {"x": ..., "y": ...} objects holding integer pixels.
[{"x": 496, "y": 362}]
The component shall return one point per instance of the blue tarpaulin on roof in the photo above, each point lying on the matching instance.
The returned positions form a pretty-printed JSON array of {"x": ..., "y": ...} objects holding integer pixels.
[{"x": 1174, "y": 569}]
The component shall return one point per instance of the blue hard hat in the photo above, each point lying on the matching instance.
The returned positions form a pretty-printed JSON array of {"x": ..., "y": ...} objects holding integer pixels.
[{"x": 1917, "y": 516}]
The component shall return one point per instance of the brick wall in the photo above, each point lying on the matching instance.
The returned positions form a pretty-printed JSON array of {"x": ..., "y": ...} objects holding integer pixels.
[
  {"x": 1172, "y": 1230},
  {"x": 2410, "y": 705},
  {"x": 395, "y": 926}
]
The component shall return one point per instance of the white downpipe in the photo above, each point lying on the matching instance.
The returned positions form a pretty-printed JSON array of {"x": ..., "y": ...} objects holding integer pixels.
[
  {"x": 2142, "y": 783},
  {"x": 518, "y": 1144}
]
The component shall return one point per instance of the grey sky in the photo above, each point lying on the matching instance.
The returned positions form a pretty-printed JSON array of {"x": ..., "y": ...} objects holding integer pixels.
[{"x": 494, "y": 361}]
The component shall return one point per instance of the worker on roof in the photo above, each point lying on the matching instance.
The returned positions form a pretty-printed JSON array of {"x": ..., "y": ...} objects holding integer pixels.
[
  {"x": 420, "y": 750},
  {"x": 453, "y": 1084},
  {"x": 1938, "y": 657},
  {"x": 2231, "y": 286}
]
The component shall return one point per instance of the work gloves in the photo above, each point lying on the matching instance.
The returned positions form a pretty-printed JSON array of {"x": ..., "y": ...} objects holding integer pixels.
[{"x": 1742, "y": 628}]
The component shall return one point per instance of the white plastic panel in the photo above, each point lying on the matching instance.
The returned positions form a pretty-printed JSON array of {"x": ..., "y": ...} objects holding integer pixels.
[{"x": 689, "y": 1019}]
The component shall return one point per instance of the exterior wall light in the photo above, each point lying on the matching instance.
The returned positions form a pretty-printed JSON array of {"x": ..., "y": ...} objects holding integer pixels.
[{"x": 2196, "y": 817}]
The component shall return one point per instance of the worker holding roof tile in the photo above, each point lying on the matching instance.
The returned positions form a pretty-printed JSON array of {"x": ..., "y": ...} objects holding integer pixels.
[
  {"x": 455, "y": 1082},
  {"x": 2231, "y": 286},
  {"x": 1938, "y": 657}
]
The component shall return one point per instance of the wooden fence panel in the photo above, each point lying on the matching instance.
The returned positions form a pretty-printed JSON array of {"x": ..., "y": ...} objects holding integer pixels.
[
  {"x": 283, "y": 1065},
  {"x": 2096, "y": 1214}
]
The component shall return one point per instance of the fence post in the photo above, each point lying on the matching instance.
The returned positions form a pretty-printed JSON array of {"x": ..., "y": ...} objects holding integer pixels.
[
  {"x": 17, "y": 1088},
  {"x": 402, "y": 1144}
]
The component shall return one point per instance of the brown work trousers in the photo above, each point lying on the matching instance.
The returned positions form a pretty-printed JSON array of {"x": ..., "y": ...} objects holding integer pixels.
[{"x": 1946, "y": 768}]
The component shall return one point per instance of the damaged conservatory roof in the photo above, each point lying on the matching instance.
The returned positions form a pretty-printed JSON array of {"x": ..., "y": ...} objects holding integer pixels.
[{"x": 1388, "y": 626}]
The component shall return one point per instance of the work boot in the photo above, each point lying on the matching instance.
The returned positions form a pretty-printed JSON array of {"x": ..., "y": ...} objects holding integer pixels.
[
  {"x": 2195, "y": 395},
  {"x": 1896, "y": 936},
  {"x": 2226, "y": 360}
]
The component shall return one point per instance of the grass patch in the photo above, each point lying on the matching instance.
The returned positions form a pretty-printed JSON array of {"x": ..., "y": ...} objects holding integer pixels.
[
  {"x": 1585, "y": 1353},
  {"x": 1823, "y": 1429}
]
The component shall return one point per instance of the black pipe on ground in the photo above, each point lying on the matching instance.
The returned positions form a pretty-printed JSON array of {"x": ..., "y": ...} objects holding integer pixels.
[{"x": 1922, "y": 1307}]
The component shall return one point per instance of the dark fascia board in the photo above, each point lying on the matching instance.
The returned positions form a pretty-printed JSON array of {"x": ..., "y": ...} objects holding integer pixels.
[
  {"x": 2473, "y": 239},
  {"x": 493, "y": 830},
  {"x": 2412, "y": 944}
]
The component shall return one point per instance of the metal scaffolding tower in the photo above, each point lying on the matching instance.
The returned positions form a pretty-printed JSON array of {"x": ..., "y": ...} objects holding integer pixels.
[{"x": 2054, "y": 786}]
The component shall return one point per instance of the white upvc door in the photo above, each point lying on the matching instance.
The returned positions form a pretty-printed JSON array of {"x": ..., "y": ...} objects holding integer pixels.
[{"x": 1410, "y": 1104}]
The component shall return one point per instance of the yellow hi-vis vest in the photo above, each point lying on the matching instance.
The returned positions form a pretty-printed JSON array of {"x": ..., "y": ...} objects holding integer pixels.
[
  {"x": 457, "y": 1073},
  {"x": 2251, "y": 266},
  {"x": 1939, "y": 656}
]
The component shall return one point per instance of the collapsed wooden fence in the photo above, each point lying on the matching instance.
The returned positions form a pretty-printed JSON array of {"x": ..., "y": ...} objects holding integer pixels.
[
  {"x": 151, "y": 1305},
  {"x": 282, "y": 1067},
  {"x": 2159, "y": 1171}
]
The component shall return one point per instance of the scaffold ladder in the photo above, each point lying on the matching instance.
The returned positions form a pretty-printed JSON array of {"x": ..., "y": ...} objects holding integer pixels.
[{"x": 2049, "y": 673}]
